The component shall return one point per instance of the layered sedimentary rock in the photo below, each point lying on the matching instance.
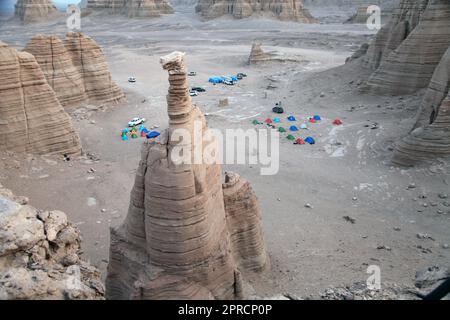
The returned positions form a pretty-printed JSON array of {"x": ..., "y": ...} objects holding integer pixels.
[
  {"x": 31, "y": 118},
  {"x": 257, "y": 54},
  {"x": 39, "y": 255},
  {"x": 406, "y": 52},
  {"x": 76, "y": 68},
  {"x": 132, "y": 8},
  {"x": 289, "y": 10},
  {"x": 58, "y": 68},
  {"x": 35, "y": 10},
  {"x": 404, "y": 19},
  {"x": 430, "y": 137},
  {"x": 243, "y": 222},
  {"x": 175, "y": 241},
  {"x": 427, "y": 142},
  {"x": 89, "y": 59}
]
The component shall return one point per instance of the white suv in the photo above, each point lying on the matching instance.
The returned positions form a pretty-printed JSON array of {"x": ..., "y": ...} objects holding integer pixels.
[{"x": 136, "y": 122}]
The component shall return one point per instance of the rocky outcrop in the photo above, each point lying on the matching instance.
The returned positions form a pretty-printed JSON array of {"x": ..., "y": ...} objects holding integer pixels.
[
  {"x": 39, "y": 255},
  {"x": 76, "y": 69},
  {"x": 132, "y": 8},
  {"x": 437, "y": 90},
  {"x": 175, "y": 241},
  {"x": 31, "y": 118},
  {"x": 35, "y": 10},
  {"x": 406, "y": 52},
  {"x": 257, "y": 54},
  {"x": 243, "y": 222},
  {"x": 430, "y": 137},
  {"x": 89, "y": 59},
  {"x": 58, "y": 68},
  {"x": 288, "y": 10}
]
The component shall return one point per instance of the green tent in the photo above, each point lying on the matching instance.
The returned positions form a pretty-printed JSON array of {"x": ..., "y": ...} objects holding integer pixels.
[
  {"x": 281, "y": 129},
  {"x": 290, "y": 137}
]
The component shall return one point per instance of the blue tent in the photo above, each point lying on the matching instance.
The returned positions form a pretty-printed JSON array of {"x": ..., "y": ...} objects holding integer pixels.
[
  {"x": 215, "y": 80},
  {"x": 153, "y": 134},
  {"x": 317, "y": 118},
  {"x": 293, "y": 128},
  {"x": 291, "y": 118},
  {"x": 310, "y": 140}
]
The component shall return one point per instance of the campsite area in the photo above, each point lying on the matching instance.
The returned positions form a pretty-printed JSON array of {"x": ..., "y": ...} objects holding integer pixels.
[{"x": 335, "y": 207}]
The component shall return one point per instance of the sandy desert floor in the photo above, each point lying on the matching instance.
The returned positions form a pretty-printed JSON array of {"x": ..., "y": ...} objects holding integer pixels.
[{"x": 346, "y": 174}]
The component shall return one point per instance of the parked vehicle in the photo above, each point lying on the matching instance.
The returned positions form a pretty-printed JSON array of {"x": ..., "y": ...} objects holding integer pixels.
[
  {"x": 136, "y": 121},
  {"x": 198, "y": 89},
  {"x": 229, "y": 82},
  {"x": 193, "y": 93},
  {"x": 131, "y": 79},
  {"x": 192, "y": 74}
]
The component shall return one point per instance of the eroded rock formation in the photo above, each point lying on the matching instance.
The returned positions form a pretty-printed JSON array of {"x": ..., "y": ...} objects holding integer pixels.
[
  {"x": 243, "y": 222},
  {"x": 132, "y": 8},
  {"x": 76, "y": 68},
  {"x": 289, "y": 10},
  {"x": 430, "y": 137},
  {"x": 257, "y": 54},
  {"x": 35, "y": 10},
  {"x": 58, "y": 68},
  {"x": 183, "y": 237},
  {"x": 39, "y": 255},
  {"x": 31, "y": 118},
  {"x": 406, "y": 52}
]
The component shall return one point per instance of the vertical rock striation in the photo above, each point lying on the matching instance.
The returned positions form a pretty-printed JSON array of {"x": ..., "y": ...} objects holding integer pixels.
[
  {"x": 175, "y": 241},
  {"x": 58, "y": 68},
  {"x": 89, "y": 59},
  {"x": 430, "y": 137},
  {"x": 132, "y": 8},
  {"x": 76, "y": 68},
  {"x": 244, "y": 223},
  {"x": 288, "y": 10},
  {"x": 31, "y": 118},
  {"x": 406, "y": 52}
]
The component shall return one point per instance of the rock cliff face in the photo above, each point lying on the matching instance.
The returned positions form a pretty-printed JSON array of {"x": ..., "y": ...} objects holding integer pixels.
[
  {"x": 132, "y": 8},
  {"x": 430, "y": 137},
  {"x": 31, "y": 118},
  {"x": 406, "y": 52},
  {"x": 243, "y": 219},
  {"x": 58, "y": 68},
  {"x": 176, "y": 241},
  {"x": 35, "y": 10},
  {"x": 289, "y": 10},
  {"x": 76, "y": 68},
  {"x": 39, "y": 255}
]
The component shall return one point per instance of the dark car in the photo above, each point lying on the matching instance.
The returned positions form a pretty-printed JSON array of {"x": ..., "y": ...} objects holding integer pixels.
[{"x": 198, "y": 89}]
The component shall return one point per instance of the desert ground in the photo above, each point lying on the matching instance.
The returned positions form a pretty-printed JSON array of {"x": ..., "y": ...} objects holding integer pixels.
[{"x": 396, "y": 218}]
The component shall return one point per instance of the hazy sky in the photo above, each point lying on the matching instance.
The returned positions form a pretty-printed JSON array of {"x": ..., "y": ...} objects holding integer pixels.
[{"x": 7, "y": 6}]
